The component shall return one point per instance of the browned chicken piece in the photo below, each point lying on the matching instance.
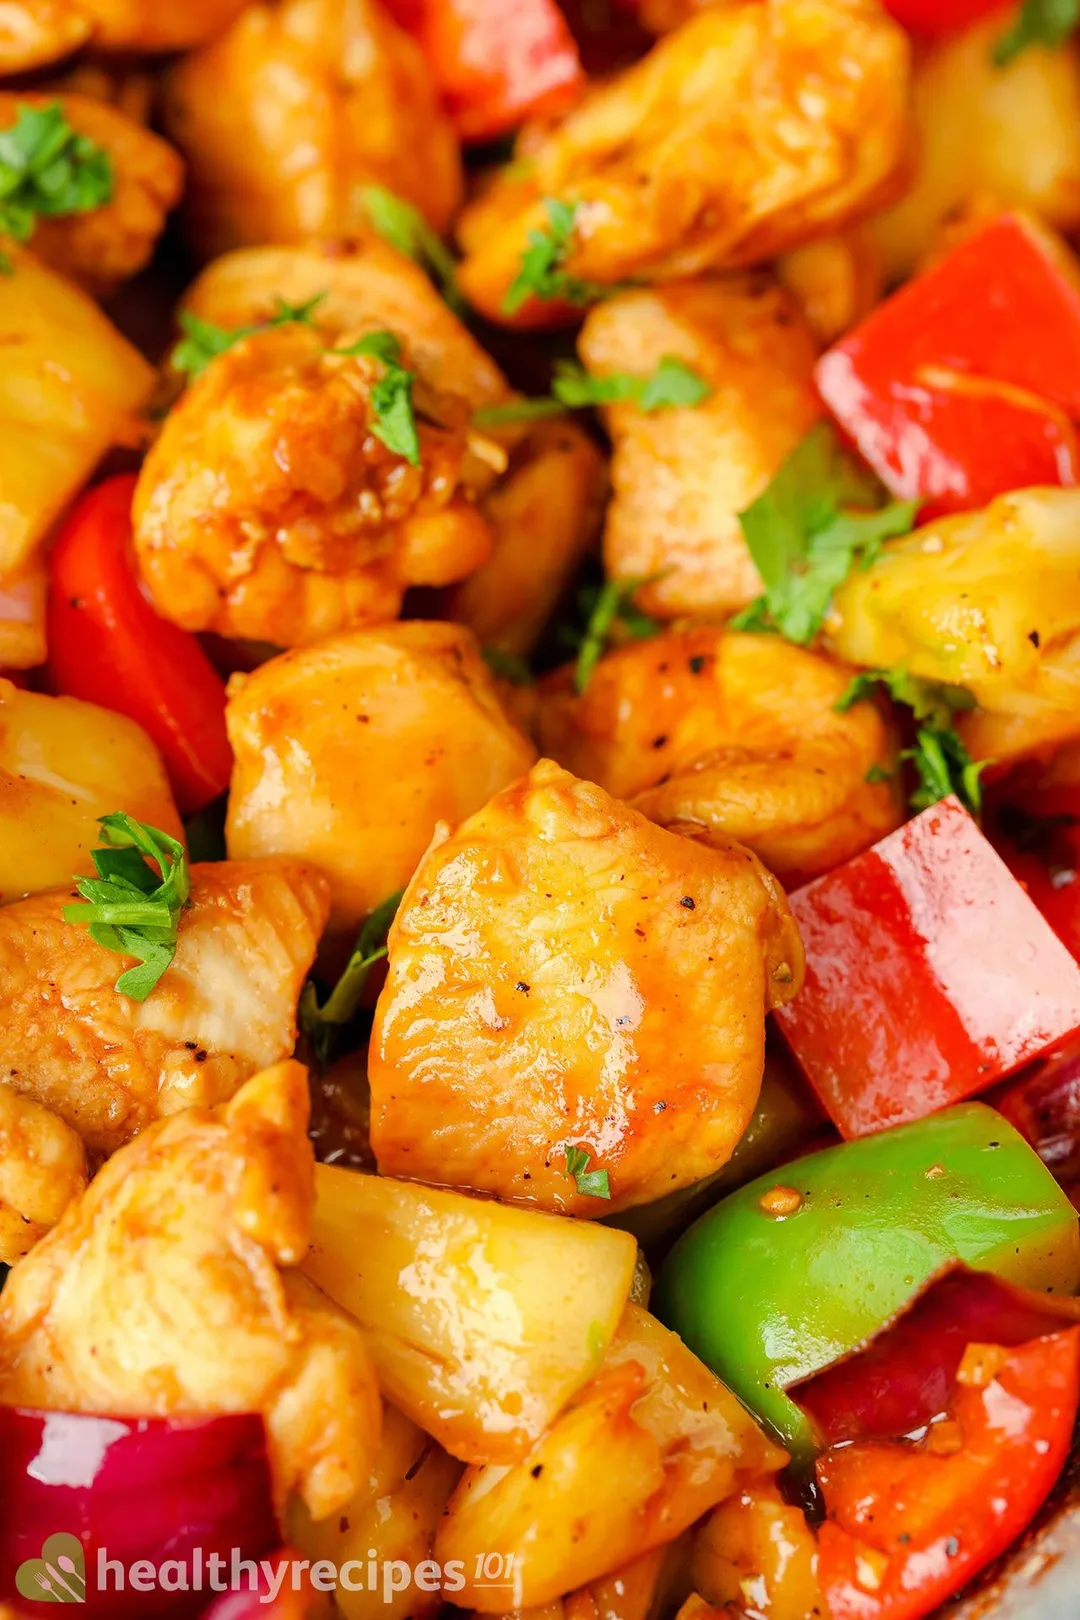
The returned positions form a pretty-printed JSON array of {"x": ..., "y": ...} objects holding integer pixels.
[
  {"x": 224, "y": 1009},
  {"x": 159, "y": 25},
  {"x": 106, "y": 245},
  {"x": 682, "y": 476},
  {"x": 712, "y": 732},
  {"x": 291, "y": 113},
  {"x": 350, "y": 752},
  {"x": 42, "y": 1169},
  {"x": 269, "y": 510},
  {"x": 546, "y": 514},
  {"x": 749, "y": 129},
  {"x": 360, "y": 285},
  {"x": 36, "y": 32},
  {"x": 836, "y": 281},
  {"x": 160, "y": 1292},
  {"x": 564, "y": 974},
  {"x": 63, "y": 764}
]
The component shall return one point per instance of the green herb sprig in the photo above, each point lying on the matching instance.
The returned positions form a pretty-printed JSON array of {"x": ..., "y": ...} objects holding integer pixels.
[
  {"x": 134, "y": 903},
  {"x": 593, "y": 1182},
  {"x": 48, "y": 170},
  {"x": 323, "y": 1025},
  {"x": 203, "y": 341},
  {"x": 671, "y": 385},
  {"x": 404, "y": 227},
  {"x": 942, "y": 763},
  {"x": 1038, "y": 22},
  {"x": 542, "y": 275},
  {"x": 609, "y": 606},
  {"x": 392, "y": 396}
]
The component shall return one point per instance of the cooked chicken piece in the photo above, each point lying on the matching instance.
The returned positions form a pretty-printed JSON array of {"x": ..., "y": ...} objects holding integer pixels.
[
  {"x": 63, "y": 764},
  {"x": 349, "y": 753},
  {"x": 360, "y": 286},
  {"x": 546, "y": 513},
  {"x": 645, "y": 1449},
  {"x": 224, "y": 1009},
  {"x": 160, "y": 1293},
  {"x": 113, "y": 80},
  {"x": 23, "y": 596},
  {"x": 106, "y": 245},
  {"x": 291, "y": 113},
  {"x": 988, "y": 600},
  {"x": 269, "y": 510},
  {"x": 1011, "y": 134},
  {"x": 713, "y": 732},
  {"x": 835, "y": 280},
  {"x": 159, "y": 25},
  {"x": 756, "y": 1536},
  {"x": 751, "y": 128},
  {"x": 70, "y": 387},
  {"x": 42, "y": 1169},
  {"x": 564, "y": 974},
  {"x": 36, "y": 32},
  {"x": 682, "y": 476}
]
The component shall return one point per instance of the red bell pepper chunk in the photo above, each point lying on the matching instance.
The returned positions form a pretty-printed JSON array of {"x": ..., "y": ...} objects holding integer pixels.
[
  {"x": 495, "y": 65},
  {"x": 910, "y": 1524},
  {"x": 966, "y": 383},
  {"x": 932, "y": 18},
  {"x": 930, "y": 975},
  {"x": 108, "y": 646}
]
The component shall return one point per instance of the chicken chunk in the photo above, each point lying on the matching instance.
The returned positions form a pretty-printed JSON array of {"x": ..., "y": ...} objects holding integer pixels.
[
  {"x": 681, "y": 477},
  {"x": 546, "y": 514},
  {"x": 34, "y": 33},
  {"x": 362, "y": 285},
  {"x": 750, "y": 128},
  {"x": 106, "y": 245},
  {"x": 291, "y": 113},
  {"x": 42, "y": 1169},
  {"x": 268, "y": 508},
  {"x": 225, "y": 1008},
  {"x": 70, "y": 386},
  {"x": 349, "y": 753},
  {"x": 988, "y": 600},
  {"x": 836, "y": 281},
  {"x": 161, "y": 1292},
  {"x": 713, "y": 732},
  {"x": 1008, "y": 136},
  {"x": 163, "y": 25},
  {"x": 564, "y": 974},
  {"x": 64, "y": 763}
]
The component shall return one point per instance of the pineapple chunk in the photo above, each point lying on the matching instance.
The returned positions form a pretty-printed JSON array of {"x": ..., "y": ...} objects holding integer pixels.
[
  {"x": 69, "y": 388},
  {"x": 483, "y": 1320},
  {"x": 652, "y": 1443}
]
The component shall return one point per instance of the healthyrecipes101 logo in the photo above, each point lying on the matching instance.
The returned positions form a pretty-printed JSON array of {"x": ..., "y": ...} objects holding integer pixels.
[{"x": 58, "y": 1576}]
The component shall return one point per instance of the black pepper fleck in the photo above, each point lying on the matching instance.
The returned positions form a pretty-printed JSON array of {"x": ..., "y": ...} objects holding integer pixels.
[{"x": 687, "y": 901}]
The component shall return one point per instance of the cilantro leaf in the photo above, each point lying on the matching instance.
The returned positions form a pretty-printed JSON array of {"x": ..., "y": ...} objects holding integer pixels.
[
  {"x": 323, "y": 1024},
  {"x": 607, "y": 605},
  {"x": 47, "y": 170},
  {"x": 203, "y": 341},
  {"x": 541, "y": 274},
  {"x": 805, "y": 532},
  {"x": 129, "y": 907},
  {"x": 593, "y": 1182},
  {"x": 672, "y": 384},
  {"x": 1038, "y": 22},
  {"x": 392, "y": 395},
  {"x": 942, "y": 763},
  {"x": 404, "y": 227}
]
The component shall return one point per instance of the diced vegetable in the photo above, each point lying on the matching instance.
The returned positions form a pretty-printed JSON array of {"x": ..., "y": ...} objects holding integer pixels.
[
  {"x": 107, "y": 645},
  {"x": 483, "y": 1320},
  {"x": 794, "y": 1271},
  {"x": 757, "y": 1543},
  {"x": 929, "y": 975},
  {"x": 652, "y": 1443},
  {"x": 951, "y": 404},
  {"x": 933, "y": 17},
  {"x": 138, "y": 1488}
]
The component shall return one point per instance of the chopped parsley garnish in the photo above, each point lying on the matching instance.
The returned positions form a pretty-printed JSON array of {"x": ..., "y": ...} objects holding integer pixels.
[
  {"x": 134, "y": 902},
  {"x": 609, "y": 605},
  {"x": 323, "y": 1025},
  {"x": 48, "y": 170},
  {"x": 593, "y": 1182},
  {"x": 942, "y": 763},
  {"x": 820, "y": 515},
  {"x": 672, "y": 384},
  {"x": 404, "y": 227},
  {"x": 508, "y": 666},
  {"x": 1038, "y": 22},
  {"x": 203, "y": 341},
  {"x": 541, "y": 274},
  {"x": 392, "y": 396}
]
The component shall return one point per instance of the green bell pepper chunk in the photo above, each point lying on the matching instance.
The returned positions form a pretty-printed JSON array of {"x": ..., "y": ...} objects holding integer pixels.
[{"x": 767, "y": 1300}]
